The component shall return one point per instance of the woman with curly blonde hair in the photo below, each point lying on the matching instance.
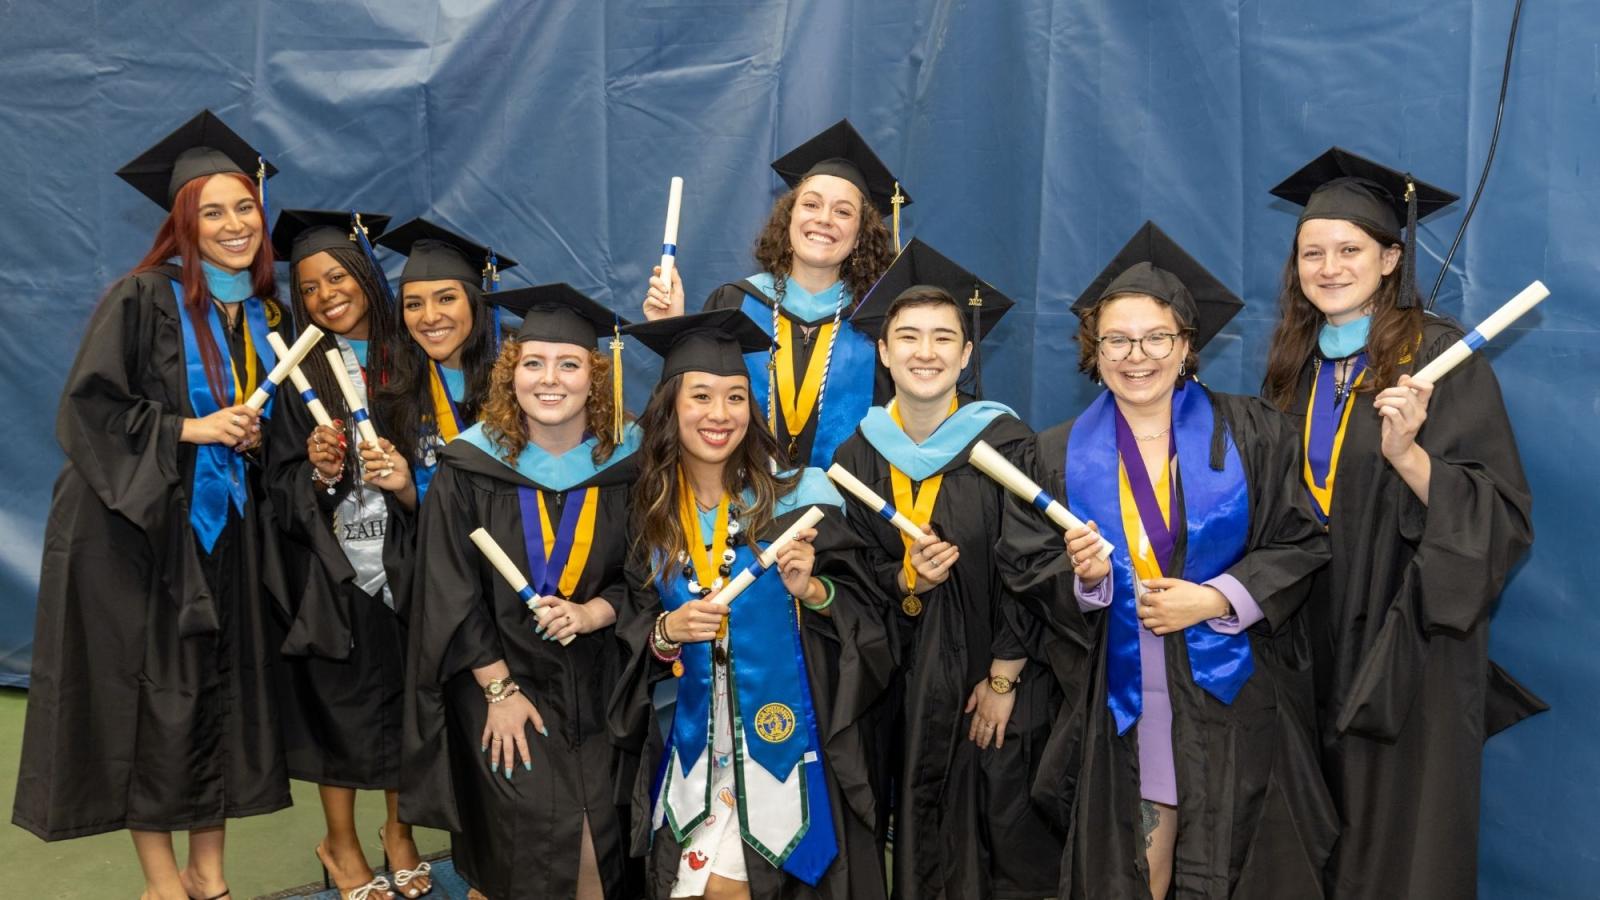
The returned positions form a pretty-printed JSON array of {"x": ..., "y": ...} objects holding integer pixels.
[
  {"x": 823, "y": 247},
  {"x": 505, "y": 729}
]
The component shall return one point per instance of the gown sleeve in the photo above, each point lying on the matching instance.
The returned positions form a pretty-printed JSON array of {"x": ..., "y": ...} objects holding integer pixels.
[{"x": 1033, "y": 562}]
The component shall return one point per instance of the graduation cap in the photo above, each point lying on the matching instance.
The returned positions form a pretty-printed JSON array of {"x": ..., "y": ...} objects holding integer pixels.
[
  {"x": 300, "y": 233},
  {"x": 435, "y": 253},
  {"x": 1153, "y": 264},
  {"x": 1342, "y": 185},
  {"x": 199, "y": 147},
  {"x": 713, "y": 342},
  {"x": 840, "y": 151},
  {"x": 561, "y": 314},
  {"x": 919, "y": 265}
]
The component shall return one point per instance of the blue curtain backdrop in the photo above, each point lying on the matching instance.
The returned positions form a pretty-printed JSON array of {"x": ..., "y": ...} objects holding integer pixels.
[{"x": 1034, "y": 136}]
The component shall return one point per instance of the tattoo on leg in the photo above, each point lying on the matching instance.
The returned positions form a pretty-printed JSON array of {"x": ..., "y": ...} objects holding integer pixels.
[{"x": 1149, "y": 818}]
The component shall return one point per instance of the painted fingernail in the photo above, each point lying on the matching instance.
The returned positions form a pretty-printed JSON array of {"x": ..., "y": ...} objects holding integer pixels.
[
  {"x": 494, "y": 766},
  {"x": 544, "y": 731},
  {"x": 528, "y": 766},
  {"x": 484, "y": 748},
  {"x": 508, "y": 773}
]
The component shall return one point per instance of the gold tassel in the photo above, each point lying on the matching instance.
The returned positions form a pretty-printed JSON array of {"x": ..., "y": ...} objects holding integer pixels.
[
  {"x": 616, "y": 382},
  {"x": 895, "y": 203}
]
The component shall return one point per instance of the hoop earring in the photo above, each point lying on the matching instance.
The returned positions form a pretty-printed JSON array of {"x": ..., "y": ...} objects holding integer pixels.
[{"x": 1183, "y": 368}]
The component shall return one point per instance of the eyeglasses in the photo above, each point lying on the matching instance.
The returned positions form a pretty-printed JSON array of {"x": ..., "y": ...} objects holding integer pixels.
[{"x": 1155, "y": 345}]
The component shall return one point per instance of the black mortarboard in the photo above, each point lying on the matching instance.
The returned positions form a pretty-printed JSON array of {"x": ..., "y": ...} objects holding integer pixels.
[
  {"x": 1341, "y": 185},
  {"x": 300, "y": 233},
  {"x": 435, "y": 253},
  {"x": 199, "y": 147},
  {"x": 558, "y": 313},
  {"x": 713, "y": 342},
  {"x": 839, "y": 150},
  {"x": 1153, "y": 264}
]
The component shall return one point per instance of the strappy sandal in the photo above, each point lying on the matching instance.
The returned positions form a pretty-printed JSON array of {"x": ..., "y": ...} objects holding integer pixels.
[
  {"x": 379, "y": 885},
  {"x": 403, "y": 877}
]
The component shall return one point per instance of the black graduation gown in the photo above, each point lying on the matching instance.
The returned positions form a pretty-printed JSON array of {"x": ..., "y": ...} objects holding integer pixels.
[
  {"x": 519, "y": 837},
  {"x": 151, "y": 705},
  {"x": 964, "y": 824},
  {"x": 1400, "y": 626},
  {"x": 343, "y": 672},
  {"x": 732, "y": 296},
  {"x": 848, "y": 663},
  {"x": 1254, "y": 818}
]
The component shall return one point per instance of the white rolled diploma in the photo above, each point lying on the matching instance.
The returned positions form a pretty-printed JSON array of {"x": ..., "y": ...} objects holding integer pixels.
[
  {"x": 287, "y": 360},
  {"x": 352, "y": 398},
  {"x": 1457, "y": 353},
  {"x": 991, "y": 463},
  {"x": 313, "y": 403},
  {"x": 490, "y": 548},
  {"x": 669, "y": 238},
  {"x": 842, "y": 477},
  {"x": 744, "y": 579}
]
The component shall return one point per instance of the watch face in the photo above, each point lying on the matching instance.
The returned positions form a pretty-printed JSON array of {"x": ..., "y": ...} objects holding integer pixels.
[
  {"x": 1000, "y": 684},
  {"x": 496, "y": 687}
]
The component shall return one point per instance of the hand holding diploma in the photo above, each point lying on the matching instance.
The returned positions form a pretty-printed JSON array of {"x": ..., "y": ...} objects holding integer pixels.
[
  {"x": 794, "y": 558},
  {"x": 664, "y": 298},
  {"x": 490, "y": 548},
  {"x": 991, "y": 463}
]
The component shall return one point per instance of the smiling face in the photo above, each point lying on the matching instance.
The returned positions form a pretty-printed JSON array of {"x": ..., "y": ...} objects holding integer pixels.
[
  {"x": 924, "y": 350},
  {"x": 552, "y": 384},
  {"x": 824, "y": 222},
  {"x": 333, "y": 297},
  {"x": 1340, "y": 267},
  {"x": 438, "y": 314},
  {"x": 230, "y": 224},
  {"x": 1139, "y": 381},
  {"x": 713, "y": 415}
]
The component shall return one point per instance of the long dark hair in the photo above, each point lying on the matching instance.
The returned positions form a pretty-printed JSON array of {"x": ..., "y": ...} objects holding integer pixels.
[
  {"x": 179, "y": 236},
  {"x": 1390, "y": 342},
  {"x": 659, "y": 535},
  {"x": 383, "y": 333},
  {"x": 873, "y": 253},
  {"x": 404, "y": 402}
]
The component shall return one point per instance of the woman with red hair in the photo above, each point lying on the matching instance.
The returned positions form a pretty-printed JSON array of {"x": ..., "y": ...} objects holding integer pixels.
[{"x": 151, "y": 701}]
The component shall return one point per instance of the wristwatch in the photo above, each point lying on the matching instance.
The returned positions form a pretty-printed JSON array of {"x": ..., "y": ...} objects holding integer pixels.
[
  {"x": 1000, "y": 684},
  {"x": 499, "y": 689}
]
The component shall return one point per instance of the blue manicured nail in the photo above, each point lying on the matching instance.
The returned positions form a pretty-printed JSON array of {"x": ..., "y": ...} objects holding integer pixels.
[
  {"x": 494, "y": 766},
  {"x": 544, "y": 731},
  {"x": 528, "y": 766},
  {"x": 484, "y": 748},
  {"x": 508, "y": 773}
]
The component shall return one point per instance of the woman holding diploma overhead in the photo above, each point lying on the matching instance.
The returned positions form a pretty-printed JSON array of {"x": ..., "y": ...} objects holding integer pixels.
[
  {"x": 761, "y": 789},
  {"x": 332, "y": 494},
  {"x": 1184, "y": 760},
  {"x": 152, "y": 705},
  {"x": 505, "y": 736},
  {"x": 972, "y": 715},
  {"x": 823, "y": 247},
  {"x": 1423, "y": 497}
]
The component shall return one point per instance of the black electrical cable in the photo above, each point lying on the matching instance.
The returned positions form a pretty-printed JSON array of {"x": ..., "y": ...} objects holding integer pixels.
[{"x": 1494, "y": 141}]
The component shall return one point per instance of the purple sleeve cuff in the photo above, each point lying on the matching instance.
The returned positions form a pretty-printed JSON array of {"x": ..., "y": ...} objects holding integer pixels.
[
  {"x": 1246, "y": 611},
  {"x": 1091, "y": 600}
]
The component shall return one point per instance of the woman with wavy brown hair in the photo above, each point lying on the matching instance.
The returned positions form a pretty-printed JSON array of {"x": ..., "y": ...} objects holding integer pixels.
[
  {"x": 1430, "y": 514},
  {"x": 151, "y": 707},
  {"x": 823, "y": 247},
  {"x": 505, "y": 738},
  {"x": 762, "y": 788}
]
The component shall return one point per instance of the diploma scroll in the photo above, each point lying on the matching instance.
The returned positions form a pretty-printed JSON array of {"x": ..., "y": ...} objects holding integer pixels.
[
  {"x": 991, "y": 463},
  {"x": 852, "y": 485},
  {"x": 1457, "y": 353},
  {"x": 748, "y": 575},
  {"x": 352, "y": 398},
  {"x": 313, "y": 403},
  {"x": 669, "y": 238},
  {"x": 287, "y": 361},
  {"x": 490, "y": 548}
]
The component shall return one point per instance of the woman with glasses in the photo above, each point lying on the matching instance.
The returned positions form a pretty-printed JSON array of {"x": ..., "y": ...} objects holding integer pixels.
[{"x": 1183, "y": 758}]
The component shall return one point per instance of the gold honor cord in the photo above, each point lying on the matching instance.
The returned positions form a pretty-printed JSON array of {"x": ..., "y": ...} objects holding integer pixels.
[
  {"x": 1140, "y": 552},
  {"x": 443, "y": 418},
  {"x": 582, "y": 539},
  {"x": 1323, "y": 495},
  {"x": 797, "y": 406},
  {"x": 704, "y": 561},
  {"x": 919, "y": 508}
]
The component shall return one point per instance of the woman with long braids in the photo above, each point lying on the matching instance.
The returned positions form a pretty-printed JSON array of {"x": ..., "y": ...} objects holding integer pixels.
[
  {"x": 506, "y": 741},
  {"x": 823, "y": 247},
  {"x": 1430, "y": 515},
  {"x": 343, "y": 672},
  {"x": 152, "y": 703},
  {"x": 762, "y": 788}
]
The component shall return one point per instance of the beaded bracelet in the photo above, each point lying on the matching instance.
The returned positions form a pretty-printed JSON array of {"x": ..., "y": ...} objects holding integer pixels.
[
  {"x": 331, "y": 485},
  {"x": 827, "y": 583},
  {"x": 660, "y": 646}
]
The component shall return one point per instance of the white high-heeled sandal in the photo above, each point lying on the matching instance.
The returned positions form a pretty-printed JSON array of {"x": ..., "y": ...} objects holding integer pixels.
[{"x": 403, "y": 877}]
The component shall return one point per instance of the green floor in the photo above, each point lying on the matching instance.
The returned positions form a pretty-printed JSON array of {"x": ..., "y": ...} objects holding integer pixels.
[{"x": 265, "y": 853}]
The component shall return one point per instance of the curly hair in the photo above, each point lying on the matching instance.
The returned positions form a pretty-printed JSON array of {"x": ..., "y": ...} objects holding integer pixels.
[
  {"x": 659, "y": 535},
  {"x": 503, "y": 418},
  {"x": 873, "y": 253},
  {"x": 1088, "y": 336},
  {"x": 1392, "y": 338}
]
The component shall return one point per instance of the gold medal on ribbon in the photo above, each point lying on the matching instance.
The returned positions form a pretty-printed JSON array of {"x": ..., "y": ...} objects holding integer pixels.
[
  {"x": 911, "y": 605},
  {"x": 919, "y": 508}
]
